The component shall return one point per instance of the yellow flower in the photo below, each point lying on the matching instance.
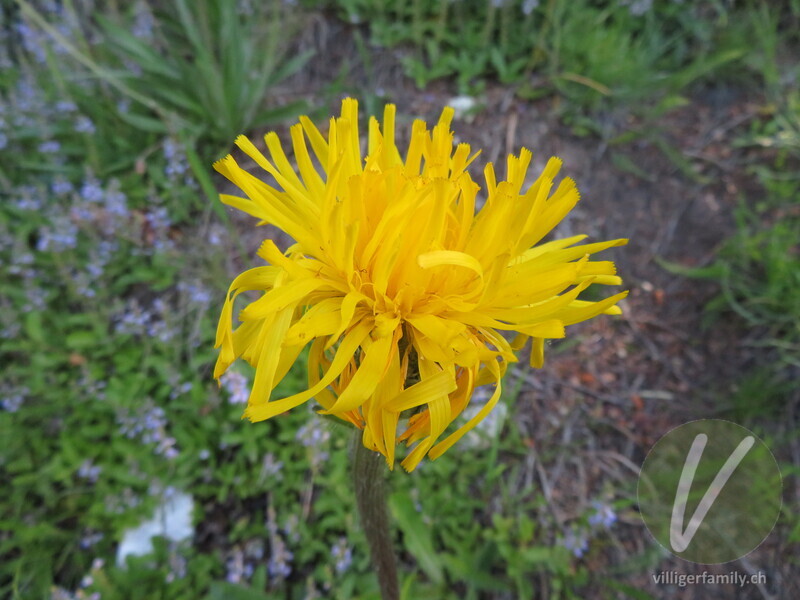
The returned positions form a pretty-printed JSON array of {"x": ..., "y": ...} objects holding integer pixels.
[{"x": 401, "y": 288}]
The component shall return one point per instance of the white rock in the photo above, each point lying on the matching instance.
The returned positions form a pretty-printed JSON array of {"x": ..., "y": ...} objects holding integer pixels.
[
  {"x": 172, "y": 519},
  {"x": 461, "y": 105}
]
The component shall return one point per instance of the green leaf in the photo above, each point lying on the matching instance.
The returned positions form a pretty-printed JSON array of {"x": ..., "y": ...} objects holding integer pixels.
[
  {"x": 144, "y": 123},
  {"x": 418, "y": 538},
  {"x": 624, "y": 163},
  {"x": 228, "y": 591},
  {"x": 33, "y": 326},
  {"x": 78, "y": 340}
]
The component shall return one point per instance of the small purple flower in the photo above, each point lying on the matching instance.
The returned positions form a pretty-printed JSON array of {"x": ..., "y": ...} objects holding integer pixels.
[
  {"x": 280, "y": 560},
  {"x": 181, "y": 390},
  {"x": 49, "y": 147},
  {"x": 33, "y": 41},
  {"x": 90, "y": 539},
  {"x": 149, "y": 425},
  {"x": 314, "y": 436},
  {"x": 13, "y": 399},
  {"x": 270, "y": 467},
  {"x": 91, "y": 191},
  {"x": 637, "y": 8},
  {"x": 59, "y": 593},
  {"x": 291, "y": 528},
  {"x": 89, "y": 471},
  {"x": 30, "y": 198},
  {"x": 95, "y": 268},
  {"x": 65, "y": 106},
  {"x": 196, "y": 292},
  {"x": 160, "y": 330},
  {"x": 254, "y": 549},
  {"x": 36, "y": 297},
  {"x": 342, "y": 554},
  {"x": 528, "y": 6},
  {"x": 576, "y": 542},
  {"x": 604, "y": 516},
  {"x": 116, "y": 201},
  {"x": 214, "y": 236},
  {"x": 177, "y": 163},
  {"x": 20, "y": 263},
  {"x": 61, "y": 187},
  {"x": 134, "y": 320},
  {"x": 235, "y": 567},
  {"x": 61, "y": 236},
  {"x": 143, "y": 22},
  {"x": 84, "y": 124},
  {"x": 237, "y": 386},
  {"x": 177, "y": 567}
]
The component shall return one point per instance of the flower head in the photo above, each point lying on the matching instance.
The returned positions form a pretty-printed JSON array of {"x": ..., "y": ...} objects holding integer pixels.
[{"x": 402, "y": 290}]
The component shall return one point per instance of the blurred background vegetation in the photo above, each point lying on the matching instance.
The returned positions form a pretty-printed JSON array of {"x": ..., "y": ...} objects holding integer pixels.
[{"x": 115, "y": 255}]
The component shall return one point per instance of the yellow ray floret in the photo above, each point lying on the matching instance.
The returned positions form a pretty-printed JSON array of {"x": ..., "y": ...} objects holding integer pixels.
[{"x": 399, "y": 287}]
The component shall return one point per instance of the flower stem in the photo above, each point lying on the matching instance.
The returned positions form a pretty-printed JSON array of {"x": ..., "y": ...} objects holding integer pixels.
[{"x": 368, "y": 477}]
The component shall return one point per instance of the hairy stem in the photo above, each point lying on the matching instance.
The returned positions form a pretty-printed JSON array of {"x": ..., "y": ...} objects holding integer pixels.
[{"x": 368, "y": 474}]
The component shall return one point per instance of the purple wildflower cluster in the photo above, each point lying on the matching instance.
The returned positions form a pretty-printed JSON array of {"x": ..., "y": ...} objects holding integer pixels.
[
  {"x": 181, "y": 390},
  {"x": 638, "y": 8},
  {"x": 21, "y": 262},
  {"x": 89, "y": 471},
  {"x": 603, "y": 517},
  {"x": 59, "y": 593},
  {"x": 240, "y": 561},
  {"x": 92, "y": 388},
  {"x": 12, "y": 398},
  {"x": 291, "y": 527},
  {"x": 177, "y": 564},
  {"x": 576, "y": 538},
  {"x": 270, "y": 467},
  {"x": 90, "y": 538},
  {"x": 140, "y": 322},
  {"x": 158, "y": 223},
  {"x": 280, "y": 560},
  {"x": 165, "y": 492},
  {"x": 26, "y": 106},
  {"x": 84, "y": 124},
  {"x": 28, "y": 198},
  {"x": 37, "y": 42},
  {"x": 149, "y": 424},
  {"x": 279, "y": 565},
  {"x": 50, "y": 147},
  {"x": 91, "y": 207},
  {"x": 143, "y": 21},
  {"x": 314, "y": 436},
  {"x": 195, "y": 292},
  {"x": 528, "y": 6},
  {"x": 237, "y": 386},
  {"x": 61, "y": 235},
  {"x": 122, "y": 502},
  {"x": 177, "y": 169},
  {"x": 342, "y": 555}
]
